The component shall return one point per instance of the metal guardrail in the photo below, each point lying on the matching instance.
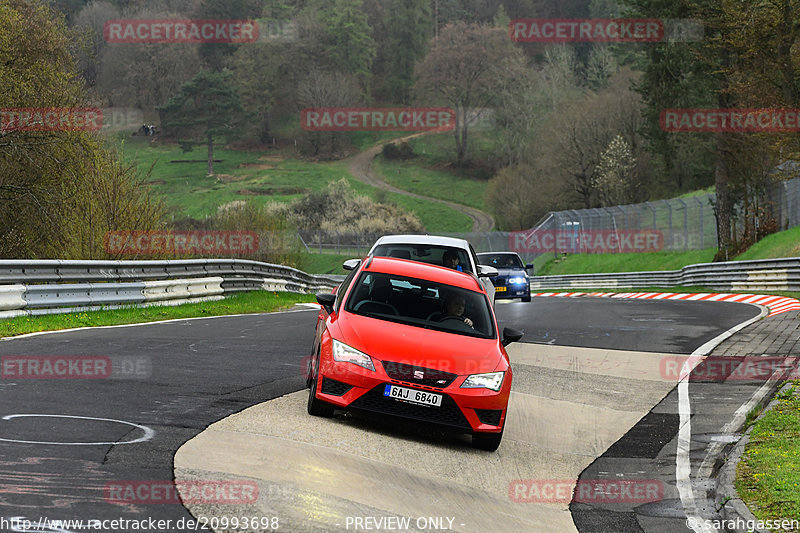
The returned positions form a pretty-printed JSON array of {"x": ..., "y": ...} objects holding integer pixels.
[
  {"x": 760, "y": 275},
  {"x": 29, "y": 287}
]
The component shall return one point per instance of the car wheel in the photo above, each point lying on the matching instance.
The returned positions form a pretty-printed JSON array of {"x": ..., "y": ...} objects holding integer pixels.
[
  {"x": 487, "y": 441},
  {"x": 317, "y": 407},
  {"x": 526, "y": 298}
]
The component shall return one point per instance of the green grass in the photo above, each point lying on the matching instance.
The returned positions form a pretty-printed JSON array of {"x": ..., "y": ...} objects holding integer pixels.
[
  {"x": 768, "y": 475},
  {"x": 409, "y": 176},
  {"x": 327, "y": 263},
  {"x": 249, "y": 302},
  {"x": 609, "y": 263},
  {"x": 261, "y": 177},
  {"x": 781, "y": 244},
  {"x": 242, "y": 175}
]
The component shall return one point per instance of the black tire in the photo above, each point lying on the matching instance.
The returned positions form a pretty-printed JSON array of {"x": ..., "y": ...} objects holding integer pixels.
[
  {"x": 526, "y": 298},
  {"x": 315, "y": 406},
  {"x": 487, "y": 441}
]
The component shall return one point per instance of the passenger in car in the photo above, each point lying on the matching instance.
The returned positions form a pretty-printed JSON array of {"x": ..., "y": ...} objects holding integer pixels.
[{"x": 450, "y": 260}]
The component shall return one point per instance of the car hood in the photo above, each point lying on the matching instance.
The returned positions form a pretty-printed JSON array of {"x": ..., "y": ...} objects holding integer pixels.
[
  {"x": 390, "y": 341},
  {"x": 511, "y": 272}
]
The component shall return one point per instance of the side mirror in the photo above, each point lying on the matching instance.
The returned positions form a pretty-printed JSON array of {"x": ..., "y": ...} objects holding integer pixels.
[
  {"x": 529, "y": 267},
  {"x": 350, "y": 264},
  {"x": 326, "y": 299},
  {"x": 511, "y": 335},
  {"x": 485, "y": 271}
]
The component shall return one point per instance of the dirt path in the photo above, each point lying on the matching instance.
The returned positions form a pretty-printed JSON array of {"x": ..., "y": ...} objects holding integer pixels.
[{"x": 360, "y": 166}]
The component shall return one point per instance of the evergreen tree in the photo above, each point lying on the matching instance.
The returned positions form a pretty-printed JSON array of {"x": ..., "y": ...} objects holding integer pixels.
[
  {"x": 409, "y": 25},
  {"x": 207, "y": 107}
]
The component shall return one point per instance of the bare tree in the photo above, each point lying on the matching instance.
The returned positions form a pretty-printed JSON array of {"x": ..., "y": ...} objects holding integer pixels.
[
  {"x": 328, "y": 89},
  {"x": 462, "y": 69}
]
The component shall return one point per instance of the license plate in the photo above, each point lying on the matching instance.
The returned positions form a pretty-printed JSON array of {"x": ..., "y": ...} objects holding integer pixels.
[
  {"x": 500, "y": 289},
  {"x": 413, "y": 396}
]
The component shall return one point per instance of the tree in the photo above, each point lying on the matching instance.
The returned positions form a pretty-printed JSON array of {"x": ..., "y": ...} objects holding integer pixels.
[
  {"x": 573, "y": 137},
  {"x": 328, "y": 89},
  {"x": 349, "y": 45},
  {"x": 145, "y": 75},
  {"x": 60, "y": 190},
  {"x": 464, "y": 65},
  {"x": 206, "y": 107},
  {"x": 614, "y": 173},
  {"x": 218, "y": 55},
  {"x": 408, "y": 26}
]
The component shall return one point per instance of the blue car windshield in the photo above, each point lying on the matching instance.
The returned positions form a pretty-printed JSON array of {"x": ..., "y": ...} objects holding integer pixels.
[{"x": 501, "y": 260}]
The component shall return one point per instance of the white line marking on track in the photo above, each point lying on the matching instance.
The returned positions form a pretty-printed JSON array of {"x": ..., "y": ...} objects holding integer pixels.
[
  {"x": 683, "y": 467},
  {"x": 148, "y": 433}
]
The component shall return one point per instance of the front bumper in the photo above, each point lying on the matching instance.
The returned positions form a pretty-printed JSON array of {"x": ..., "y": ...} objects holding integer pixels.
[
  {"x": 512, "y": 291},
  {"x": 348, "y": 386}
]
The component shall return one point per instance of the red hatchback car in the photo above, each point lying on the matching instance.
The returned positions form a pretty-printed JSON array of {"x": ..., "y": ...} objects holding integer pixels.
[{"x": 416, "y": 341}]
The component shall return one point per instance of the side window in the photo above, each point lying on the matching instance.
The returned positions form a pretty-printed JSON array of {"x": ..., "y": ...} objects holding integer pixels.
[{"x": 342, "y": 290}]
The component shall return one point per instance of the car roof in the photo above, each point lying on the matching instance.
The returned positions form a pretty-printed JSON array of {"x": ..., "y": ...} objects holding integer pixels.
[
  {"x": 423, "y": 239},
  {"x": 425, "y": 271},
  {"x": 498, "y": 253}
]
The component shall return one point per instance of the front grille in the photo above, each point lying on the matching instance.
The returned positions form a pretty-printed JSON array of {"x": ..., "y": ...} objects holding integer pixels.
[
  {"x": 448, "y": 414},
  {"x": 431, "y": 377},
  {"x": 333, "y": 387},
  {"x": 489, "y": 416}
]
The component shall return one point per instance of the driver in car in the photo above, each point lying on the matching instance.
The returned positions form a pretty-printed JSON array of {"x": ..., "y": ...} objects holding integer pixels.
[{"x": 454, "y": 307}]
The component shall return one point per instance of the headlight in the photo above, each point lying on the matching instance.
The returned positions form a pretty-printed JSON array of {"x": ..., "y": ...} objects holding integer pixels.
[
  {"x": 493, "y": 381},
  {"x": 516, "y": 281},
  {"x": 345, "y": 354}
]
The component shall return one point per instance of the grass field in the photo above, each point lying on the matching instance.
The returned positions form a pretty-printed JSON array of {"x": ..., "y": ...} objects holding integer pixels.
[
  {"x": 248, "y": 302},
  {"x": 782, "y": 244},
  {"x": 768, "y": 475},
  {"x": 606, "y": 263},
  {"x": 260, "y": 177},
  {"x": 409, "y": 176}
]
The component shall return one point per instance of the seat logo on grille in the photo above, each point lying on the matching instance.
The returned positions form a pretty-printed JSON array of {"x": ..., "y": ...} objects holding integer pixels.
[{"x": 418, "y": 374}]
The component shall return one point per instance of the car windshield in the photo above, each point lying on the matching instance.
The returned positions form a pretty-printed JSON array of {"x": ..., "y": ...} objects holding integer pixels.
[
  {"x": 421, "y": 303},
  {"x": 501, "y": 260},
  {"x": 426, "y": 253}
]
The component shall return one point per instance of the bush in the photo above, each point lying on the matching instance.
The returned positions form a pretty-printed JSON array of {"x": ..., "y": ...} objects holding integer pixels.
[
  {"x": 338, "y": 209},
  {"x": 395, "y": 151}
]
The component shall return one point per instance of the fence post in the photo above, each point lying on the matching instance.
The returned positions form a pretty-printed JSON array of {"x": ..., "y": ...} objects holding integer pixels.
[{"x": 702, "y": 224}]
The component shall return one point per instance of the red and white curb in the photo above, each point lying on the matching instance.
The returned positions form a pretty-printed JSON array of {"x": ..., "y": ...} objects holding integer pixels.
[{"x": 775, "y": 304}]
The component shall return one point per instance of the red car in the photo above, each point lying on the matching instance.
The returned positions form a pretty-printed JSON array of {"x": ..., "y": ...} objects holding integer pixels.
[{"x": 417, "y": 341}]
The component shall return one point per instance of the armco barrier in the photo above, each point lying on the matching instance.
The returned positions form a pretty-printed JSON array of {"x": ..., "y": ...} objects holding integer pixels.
[
  {"x": 761, "y": 275},
  {"x": 30, "y": 287}
]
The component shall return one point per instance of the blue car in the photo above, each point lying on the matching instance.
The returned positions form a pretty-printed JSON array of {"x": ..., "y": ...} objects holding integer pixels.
[{"x": 512, "y": 280}]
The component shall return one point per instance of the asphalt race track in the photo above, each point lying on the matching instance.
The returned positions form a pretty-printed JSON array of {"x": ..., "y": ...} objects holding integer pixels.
[{"x": 171, "y": 381}]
